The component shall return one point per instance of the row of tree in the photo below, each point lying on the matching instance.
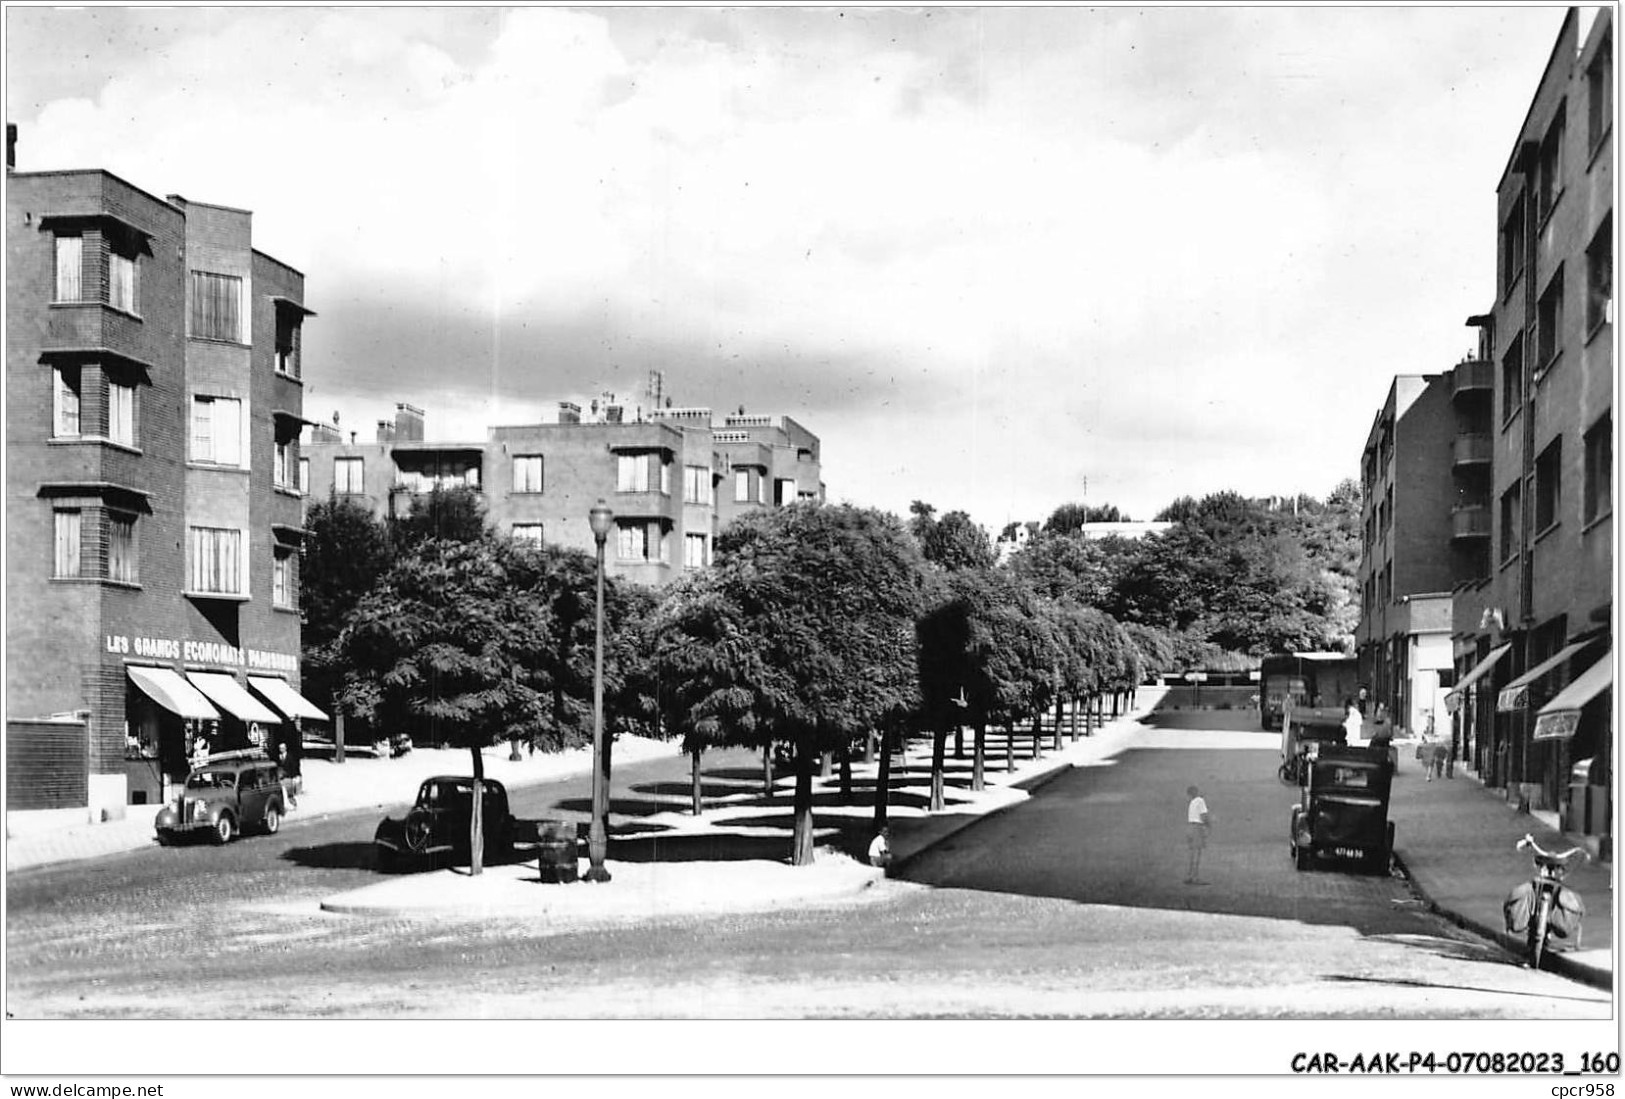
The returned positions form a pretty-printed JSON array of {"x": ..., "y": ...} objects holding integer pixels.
[{"x": 816, "y": 629}]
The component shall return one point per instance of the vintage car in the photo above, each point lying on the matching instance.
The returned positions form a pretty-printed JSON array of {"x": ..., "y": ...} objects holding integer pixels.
[
  {"x": 1342, "y": 816},
  {"x": 224, "y": 797},
  {"x": 1305, "y": 730},
  {"x": 436, "y": 828}
]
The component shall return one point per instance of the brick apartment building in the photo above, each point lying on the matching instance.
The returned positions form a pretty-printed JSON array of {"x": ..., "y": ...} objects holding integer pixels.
[
  {"x": 1403, "y": 638},
  {"x": 1532, "y": 530},
  {"x": 153, "y": 516},
  {"x": 672, "y": 476}
]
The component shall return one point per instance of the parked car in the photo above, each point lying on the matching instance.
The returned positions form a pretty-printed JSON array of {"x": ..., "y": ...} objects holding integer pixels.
[
  {"x": 1342, "y": 816},
  {"x": 223, "y": 798},
  {"x": 436, "y": 828}
]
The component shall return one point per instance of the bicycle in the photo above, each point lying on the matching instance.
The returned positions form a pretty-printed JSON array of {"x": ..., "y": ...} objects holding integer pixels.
[{"x": 1545, "y": 897}]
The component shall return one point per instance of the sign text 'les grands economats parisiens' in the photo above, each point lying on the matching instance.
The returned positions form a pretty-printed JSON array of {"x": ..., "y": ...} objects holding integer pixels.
[{"x": 202, "y": 652}]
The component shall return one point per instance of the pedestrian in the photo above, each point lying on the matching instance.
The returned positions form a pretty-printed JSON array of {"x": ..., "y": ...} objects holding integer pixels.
[
  {"x": 1198, "y": 822},
  {"x": 880, "y": 849}
]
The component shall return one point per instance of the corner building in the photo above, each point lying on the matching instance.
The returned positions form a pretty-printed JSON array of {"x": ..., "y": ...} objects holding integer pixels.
[
  {"x": 1533, "y": 526},
  {"x": 673, "y": 480},
  {"x": 154, "y": 404}
]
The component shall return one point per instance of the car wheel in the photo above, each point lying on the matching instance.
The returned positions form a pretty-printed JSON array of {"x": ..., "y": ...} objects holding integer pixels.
[
  {"x": 166, "y": 839},
  {"x": 273, "y": 820},
  {"x": 224, "y": 829},
  {"x": 418, "y": 830}
]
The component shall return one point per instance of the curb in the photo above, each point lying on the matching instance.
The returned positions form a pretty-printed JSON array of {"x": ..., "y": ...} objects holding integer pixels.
[{"x": 1559, "y": 962}]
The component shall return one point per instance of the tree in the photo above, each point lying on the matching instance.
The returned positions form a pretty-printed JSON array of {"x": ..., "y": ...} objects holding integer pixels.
[
  {"x": 454, "y": 514},
  {"x": 829, "y": 596},
  {"x": 1070, "y": 518},
  {"x": 452, "y": 637},
  {"x": 346, "y": 551},
  {"x": 1069, "y": 566},
  {"x": 953, "y": 542}
]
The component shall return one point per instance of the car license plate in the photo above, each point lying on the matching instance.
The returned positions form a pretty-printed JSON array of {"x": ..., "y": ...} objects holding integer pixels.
[{"x": 1348, "y": 852}]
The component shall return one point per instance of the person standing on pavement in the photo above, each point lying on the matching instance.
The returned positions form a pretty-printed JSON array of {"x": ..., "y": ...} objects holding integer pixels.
[{"x": 1198, "y": 822}]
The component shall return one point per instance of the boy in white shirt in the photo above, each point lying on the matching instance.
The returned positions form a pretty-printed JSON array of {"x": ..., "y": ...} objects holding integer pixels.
[{"x": 1197, "y": 824}]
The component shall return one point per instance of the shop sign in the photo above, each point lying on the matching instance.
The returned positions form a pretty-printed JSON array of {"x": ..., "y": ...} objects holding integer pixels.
[{"x": 201, "y": 652}]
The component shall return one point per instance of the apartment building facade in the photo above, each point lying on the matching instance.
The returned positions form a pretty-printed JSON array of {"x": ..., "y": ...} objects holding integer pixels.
[
  {"x": 1403, "y": 637},
  {"x": 673, "y": 479},
  {"x": 154, "y": 402},
  {"x": 1532, "y": 529}
]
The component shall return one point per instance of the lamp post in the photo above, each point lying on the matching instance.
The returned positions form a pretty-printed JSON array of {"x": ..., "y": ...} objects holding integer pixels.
[{"x": 601, "y": 518}]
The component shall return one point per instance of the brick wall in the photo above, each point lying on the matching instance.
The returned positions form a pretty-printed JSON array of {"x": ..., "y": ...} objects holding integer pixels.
[{"x": 46, "y": 765}]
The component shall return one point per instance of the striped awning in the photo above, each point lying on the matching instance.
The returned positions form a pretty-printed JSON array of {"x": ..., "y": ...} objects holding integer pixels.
[
  {"x": 279, "y": 694},
  {"x": 1560, "y": 717},
  {"x": 172, "y": 692},
  {"x": 1515, "y": 695},
  {"x": 225, "y": 692},
  {"x": 1453, "y": 699}
]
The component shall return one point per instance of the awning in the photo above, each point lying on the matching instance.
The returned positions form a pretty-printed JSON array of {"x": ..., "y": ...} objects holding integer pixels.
[
  {"x": 172, "y": 692},
  {"x": 1560, "y": 717},
  {"x": 226, "y": 693},
  {"x": 1453, "y": 699},
  {"x": 285, "y": 698},
  {"x": 1515, "y": 694}
]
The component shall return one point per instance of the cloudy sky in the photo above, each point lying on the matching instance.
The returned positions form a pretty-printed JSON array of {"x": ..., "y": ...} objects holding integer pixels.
[{"x": 989, "y": 255}]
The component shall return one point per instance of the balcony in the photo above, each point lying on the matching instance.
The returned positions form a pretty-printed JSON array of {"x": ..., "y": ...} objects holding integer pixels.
[
  {"x": 1472, "y": 521},
  {"x": 1472, "y": 377},
  {"x": 1472, "y": 450}
]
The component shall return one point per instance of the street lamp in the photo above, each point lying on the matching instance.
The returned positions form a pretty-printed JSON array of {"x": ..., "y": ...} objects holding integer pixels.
[{"x": 601, "y": 518}]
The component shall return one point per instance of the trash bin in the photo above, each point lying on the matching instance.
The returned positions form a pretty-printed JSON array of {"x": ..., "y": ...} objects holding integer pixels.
[
  {"x": 1589, "y": 806},
  {"x": 556, "y": 851}
]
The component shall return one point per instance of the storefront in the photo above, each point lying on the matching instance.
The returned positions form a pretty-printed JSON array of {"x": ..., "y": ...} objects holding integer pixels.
[{"x": 1579, "y": 718}]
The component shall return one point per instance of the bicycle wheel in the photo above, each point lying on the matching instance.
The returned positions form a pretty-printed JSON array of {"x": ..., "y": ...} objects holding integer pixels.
[{"x": 1539, "y": 924}]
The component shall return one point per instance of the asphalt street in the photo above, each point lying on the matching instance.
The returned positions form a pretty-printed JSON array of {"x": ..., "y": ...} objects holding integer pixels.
[{"x": 1069, "y": 904}]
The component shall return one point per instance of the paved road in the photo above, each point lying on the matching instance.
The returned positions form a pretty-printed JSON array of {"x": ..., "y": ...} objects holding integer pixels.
[{"x": 1068, "y": 905}]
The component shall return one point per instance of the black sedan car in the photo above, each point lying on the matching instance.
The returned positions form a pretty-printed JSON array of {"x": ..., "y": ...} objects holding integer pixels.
[
  {"x": 1342, "y": 816},
  {"x": 435, "y": 831}
]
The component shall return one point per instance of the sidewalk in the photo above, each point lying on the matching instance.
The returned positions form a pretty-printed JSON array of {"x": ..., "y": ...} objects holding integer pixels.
[{"x": 1456, "y": 839}]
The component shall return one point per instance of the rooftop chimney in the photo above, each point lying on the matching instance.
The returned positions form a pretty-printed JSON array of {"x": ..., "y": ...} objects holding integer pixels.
[
  {"x": 569, "y": 412},
  {"x": 386, "y": 431},
  {"x": 408, "y": 423}
]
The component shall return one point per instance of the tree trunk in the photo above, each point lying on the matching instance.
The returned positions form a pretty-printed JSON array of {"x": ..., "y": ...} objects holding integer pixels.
[
  {"x": 513, "y": 750},
  {"x": 767, "y": 771},
  {"x": 476, "y": 818},
  {"x": 869, "y": 747},
  {"x": 824, "y": 760},
  {"x": 1089, "y": 716},
  {"x": 695, "y": 775},
  {"x": 801, "y": 845},
  {"x": 883, "y": 782},
  {"x": 978, "y": 755},
  {"x": 1009, "y": 746},
  {"x": 1060, "y": 708},
  {"x": 959, "y": 741},
  {"x": 1038, "y": 734},
  {"x": 939, "y": 748},
  {"x": 1076, "y": 704},
  {"x": 846, "y": 774}
]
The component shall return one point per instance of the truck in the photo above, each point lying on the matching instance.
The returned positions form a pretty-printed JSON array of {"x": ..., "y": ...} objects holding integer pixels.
[{"x": 1315, "y": 682}]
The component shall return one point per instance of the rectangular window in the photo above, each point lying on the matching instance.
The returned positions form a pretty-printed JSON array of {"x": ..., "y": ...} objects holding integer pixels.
[
  {"x": 122, "y": 287},
  {"x": 1511, "y": 522},
  {"x": 217, "y": 302},
  {"x": 1550, "y": 334},
  {"x": 121, "y": 413},
  {"x": 1548, "y": 485},
  {"x": 741, "y": 486},
  {"x": 665, "y": 476},
  {"x": 697, "y": 485},
  {"x": 784, "y": 491},
  {"x": 694, "y": 551},
  {"x": 528, "y": 532},
  {"x": 347, "y": 475},
  {"x": 1599, "y": 469},
  {"x": 527, "y": 473},
  {"x": 121, "y": 548},
  {"x": 1512, "y": 379},
  {"x": 65, "y": 564},
  {"x": 65, "y": 402},
  {"x": 1600, "y": 275},
  {"x": 1600, "y": 94},
  {"x": 1512, "y": 259},
  {"x": 761, "y": 487},
  {"x": 70, "y": 269},
  {"x": 304, "y": 476},
  {"x": 217, "y": 431},
  {"x": 1549, "y": 176},
  {"x": 632, "y": 473},
  {"x": 282, "y": 465},
  {"x": 632, "y": 542},
  {"x": 287, "y": 343},
  {"x": 282, "y": 578},
  {"x": 216, "y": 561}
]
